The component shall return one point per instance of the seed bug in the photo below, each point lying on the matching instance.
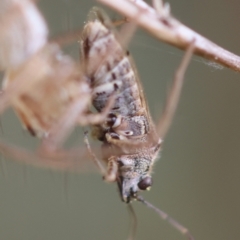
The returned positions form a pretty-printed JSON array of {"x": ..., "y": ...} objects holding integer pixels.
[
  {"x": 128, "y": 130},
  {"x": 131, "y": 141}
]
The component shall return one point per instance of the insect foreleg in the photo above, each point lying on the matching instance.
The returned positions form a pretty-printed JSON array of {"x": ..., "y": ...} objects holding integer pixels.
[
  {"x": 64, "y": 126},
  {"x": 96, "y": 161},
  {"x": 112, "y": 169},
  {"x": 97, "y": 118},
  {"x": 110, "y": 174}
]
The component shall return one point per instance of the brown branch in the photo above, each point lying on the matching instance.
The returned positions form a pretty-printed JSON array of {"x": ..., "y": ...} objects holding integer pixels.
[{"x": 166, "y": 28}]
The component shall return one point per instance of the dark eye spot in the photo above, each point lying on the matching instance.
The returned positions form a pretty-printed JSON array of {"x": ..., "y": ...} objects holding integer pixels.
[{"x": 145, "y": 183}]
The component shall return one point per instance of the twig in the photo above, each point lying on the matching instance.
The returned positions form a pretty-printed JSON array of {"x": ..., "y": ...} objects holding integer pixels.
[{"x": 166, "y": 28}]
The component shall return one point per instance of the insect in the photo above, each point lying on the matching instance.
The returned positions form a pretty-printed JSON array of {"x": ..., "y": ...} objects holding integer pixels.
[
  {"x": 129, "y": 126},
  {"x": 131, "y": 141},
  {"x": 45, "y": 87},
  {"x": 58, "y": 96}
]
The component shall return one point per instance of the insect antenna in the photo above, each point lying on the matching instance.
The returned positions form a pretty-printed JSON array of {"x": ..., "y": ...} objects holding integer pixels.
[
  {"x": 174, "y": 95},
  {"x": 133, "y": 222},
  {"x": 167, "y": 218}
]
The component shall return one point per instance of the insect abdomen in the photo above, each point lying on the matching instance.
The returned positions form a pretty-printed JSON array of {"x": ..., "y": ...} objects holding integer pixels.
[{"x": 109, "y": 71}]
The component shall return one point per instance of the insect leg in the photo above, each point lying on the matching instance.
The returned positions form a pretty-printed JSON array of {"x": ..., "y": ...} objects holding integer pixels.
[
  {"x": 75, "y": 114},
  {"x": 112, "y": 169},
  {"x": 63, "y": 128},
  {"x": 110, "y": 174},
  {"x": 20, "y": 85},
  {"x": 65, "y": 161},
  {"x": 174, "y": 95},
  {"x": 97, "y": 118},
  {"x": 96, "y": 161}
]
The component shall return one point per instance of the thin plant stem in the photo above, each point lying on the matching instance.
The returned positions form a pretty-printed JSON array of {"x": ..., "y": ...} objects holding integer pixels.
[{"x": 168, "y": 29}]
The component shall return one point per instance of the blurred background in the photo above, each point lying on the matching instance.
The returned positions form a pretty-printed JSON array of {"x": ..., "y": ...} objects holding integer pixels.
[{"x": 197, "y": 178}]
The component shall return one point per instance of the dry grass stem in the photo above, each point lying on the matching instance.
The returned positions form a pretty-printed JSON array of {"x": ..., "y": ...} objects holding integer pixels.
[{"x": 168, "y": 29}]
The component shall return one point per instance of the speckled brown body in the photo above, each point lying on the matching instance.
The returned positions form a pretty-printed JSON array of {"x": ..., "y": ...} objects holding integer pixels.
[{"x": 129, "y": 128}]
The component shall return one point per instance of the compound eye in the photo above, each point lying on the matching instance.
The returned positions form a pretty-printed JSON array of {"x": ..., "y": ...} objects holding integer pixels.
[{"x": 145, "y": 183}]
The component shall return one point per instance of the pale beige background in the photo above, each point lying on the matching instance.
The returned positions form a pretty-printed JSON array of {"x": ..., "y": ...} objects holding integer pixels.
[{"x": 198, "y": 177}]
